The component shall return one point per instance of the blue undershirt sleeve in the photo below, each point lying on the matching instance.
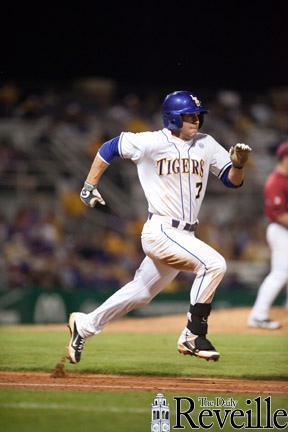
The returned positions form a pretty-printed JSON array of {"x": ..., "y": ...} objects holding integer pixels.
[
  {"x": 225, "y": 179},
  {"x": 109, "y": 150}
]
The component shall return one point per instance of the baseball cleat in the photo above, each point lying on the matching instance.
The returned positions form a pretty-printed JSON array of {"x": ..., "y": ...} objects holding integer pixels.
[
  {"x": 197, "y": 346},
  {"x": 264, "y": 324},
  {"x": 76, "y": 343}
]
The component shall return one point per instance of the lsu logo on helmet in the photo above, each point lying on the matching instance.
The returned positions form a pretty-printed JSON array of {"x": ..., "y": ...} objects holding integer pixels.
[{"x": 196, "y": 100}]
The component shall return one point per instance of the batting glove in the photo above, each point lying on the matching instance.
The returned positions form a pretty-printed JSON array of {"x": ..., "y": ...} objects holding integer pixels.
[
  {"x": 239, "y": 154},
  {"x": 90, "y": 196}
]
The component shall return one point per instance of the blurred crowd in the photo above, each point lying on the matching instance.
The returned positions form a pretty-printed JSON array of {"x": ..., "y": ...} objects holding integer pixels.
[
  {"x": 49, "y": 135},
  {"x": 45, "y": 250}
]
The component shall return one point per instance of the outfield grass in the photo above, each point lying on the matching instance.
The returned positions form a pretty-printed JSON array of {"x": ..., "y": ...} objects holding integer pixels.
[
  {"x": 64, "y": 411},
  {"x": 243, "y": 356}
]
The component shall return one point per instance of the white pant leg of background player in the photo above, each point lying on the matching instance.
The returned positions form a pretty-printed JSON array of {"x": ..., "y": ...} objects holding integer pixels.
[
  {"x": 182, "y": 250},
  {"x": 149, "y": 280},
  {"x": 277, "y": 237}
]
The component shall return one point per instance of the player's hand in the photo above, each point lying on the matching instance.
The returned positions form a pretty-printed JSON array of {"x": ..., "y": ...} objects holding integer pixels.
[
  {"x": 90, "y": 195},
  {"x": 239, "y": 154}
]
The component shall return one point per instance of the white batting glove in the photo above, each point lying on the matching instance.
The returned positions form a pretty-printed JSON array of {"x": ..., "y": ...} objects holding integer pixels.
[
  {"x": 90, "y": 195},
  {"x": 239, "y": 154}
]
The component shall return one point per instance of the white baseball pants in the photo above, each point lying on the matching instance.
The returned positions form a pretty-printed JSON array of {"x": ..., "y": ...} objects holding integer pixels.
[
  {"x": 169, "y": 250},
  {"x": 277, "y": 238}
]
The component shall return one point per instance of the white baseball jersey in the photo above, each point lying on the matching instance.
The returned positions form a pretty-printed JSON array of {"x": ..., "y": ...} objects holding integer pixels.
[{"x": 174, "y": 173}]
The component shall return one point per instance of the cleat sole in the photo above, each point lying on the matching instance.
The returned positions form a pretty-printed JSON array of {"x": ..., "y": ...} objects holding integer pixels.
[
  {"x": 184, "y": 351},
  {"x": 68, "y": 357}
]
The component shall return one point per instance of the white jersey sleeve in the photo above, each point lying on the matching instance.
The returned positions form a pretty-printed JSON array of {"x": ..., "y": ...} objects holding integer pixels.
[
  {"x": 220, "y": 159},
  {"x": 132, "y": 145}
]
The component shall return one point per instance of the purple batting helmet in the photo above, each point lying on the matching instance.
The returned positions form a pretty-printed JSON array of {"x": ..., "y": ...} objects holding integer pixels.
[{"x": 181, "y": 102}]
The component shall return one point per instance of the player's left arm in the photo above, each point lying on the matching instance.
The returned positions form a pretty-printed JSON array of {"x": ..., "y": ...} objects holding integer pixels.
[
  {"x": 239, "y": 155},
  {"x": 229, "y": 166}
]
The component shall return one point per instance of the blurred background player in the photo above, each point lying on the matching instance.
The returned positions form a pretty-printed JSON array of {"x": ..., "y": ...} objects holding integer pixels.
[
  {"x": 173, "y": 166},
  {"x": 276, "y": 210}
]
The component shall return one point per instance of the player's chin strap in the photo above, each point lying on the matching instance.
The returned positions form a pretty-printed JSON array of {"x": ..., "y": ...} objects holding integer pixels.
[{"x": 199, "y": 314}]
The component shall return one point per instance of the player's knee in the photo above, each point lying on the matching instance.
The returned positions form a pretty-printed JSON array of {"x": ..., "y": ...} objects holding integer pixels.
[{"x": 221, "y": 265}]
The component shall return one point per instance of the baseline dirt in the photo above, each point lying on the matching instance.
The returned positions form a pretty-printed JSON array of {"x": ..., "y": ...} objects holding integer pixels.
[{"x": 89, "y": 382}]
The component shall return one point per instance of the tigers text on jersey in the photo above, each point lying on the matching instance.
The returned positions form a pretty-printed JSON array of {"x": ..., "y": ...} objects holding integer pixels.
[{"x": 174, "y": 173}]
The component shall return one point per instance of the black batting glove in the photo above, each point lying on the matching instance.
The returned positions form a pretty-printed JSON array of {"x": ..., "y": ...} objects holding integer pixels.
[{"x": 90, "y": 195}]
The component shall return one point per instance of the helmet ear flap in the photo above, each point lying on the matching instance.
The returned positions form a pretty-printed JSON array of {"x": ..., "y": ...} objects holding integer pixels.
[
  {"x": 177, "y": 121},
  {"x": 172, "y": 121}
]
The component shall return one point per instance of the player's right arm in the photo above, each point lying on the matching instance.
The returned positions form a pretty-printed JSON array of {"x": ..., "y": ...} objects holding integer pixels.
[
  {"x": 128, "y": 146},
  {"x": 89, "y": 193}
]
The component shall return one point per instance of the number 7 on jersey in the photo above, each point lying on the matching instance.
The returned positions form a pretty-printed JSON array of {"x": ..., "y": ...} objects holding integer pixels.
[{"x": 199, "y": 186}]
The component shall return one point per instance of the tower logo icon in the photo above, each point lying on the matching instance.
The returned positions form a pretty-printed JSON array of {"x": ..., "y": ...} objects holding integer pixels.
[{"x": 160, "y": 421}]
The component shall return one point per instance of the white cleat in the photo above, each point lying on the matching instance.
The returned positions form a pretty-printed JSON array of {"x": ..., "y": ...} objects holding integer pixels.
[
  {"x": 76, "y": 343},
  {"x": 198, "y": 346},
  {"x": 264, "y": 324}
]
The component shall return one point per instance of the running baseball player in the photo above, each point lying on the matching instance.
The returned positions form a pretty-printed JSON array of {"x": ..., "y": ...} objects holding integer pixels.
[
  {"x": 276, "y": 210},
  {"x": 173, "y": 165}
]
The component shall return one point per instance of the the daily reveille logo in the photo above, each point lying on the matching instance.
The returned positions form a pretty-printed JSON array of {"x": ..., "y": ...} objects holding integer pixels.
[
  {"x": 215, "y": 413},
  {"x": 160, "y": 421}
]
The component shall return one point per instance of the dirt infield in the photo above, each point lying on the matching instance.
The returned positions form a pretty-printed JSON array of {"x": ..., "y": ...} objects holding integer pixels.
[
  {"x": 89, "y": 382},
  {"x": 221, "y": 321}
]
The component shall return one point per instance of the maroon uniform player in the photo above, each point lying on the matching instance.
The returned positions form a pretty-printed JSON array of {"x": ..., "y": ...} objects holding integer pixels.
[{"x": 276, "y": 211}]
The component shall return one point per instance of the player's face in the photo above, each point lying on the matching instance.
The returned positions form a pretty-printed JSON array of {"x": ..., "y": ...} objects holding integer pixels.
[{"x": 190, "y": 126}]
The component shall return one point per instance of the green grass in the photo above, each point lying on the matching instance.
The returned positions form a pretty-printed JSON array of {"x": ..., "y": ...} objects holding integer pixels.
[
  {"x": 253, "y": 356},
  {"x": 243, "y": 356},
  {"x": 64, "y": 411}
]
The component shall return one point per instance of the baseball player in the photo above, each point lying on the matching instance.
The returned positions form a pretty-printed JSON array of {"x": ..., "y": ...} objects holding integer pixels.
[
  {"x": 276, "y": 210},
  {"x": 173, "y": 165}
]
